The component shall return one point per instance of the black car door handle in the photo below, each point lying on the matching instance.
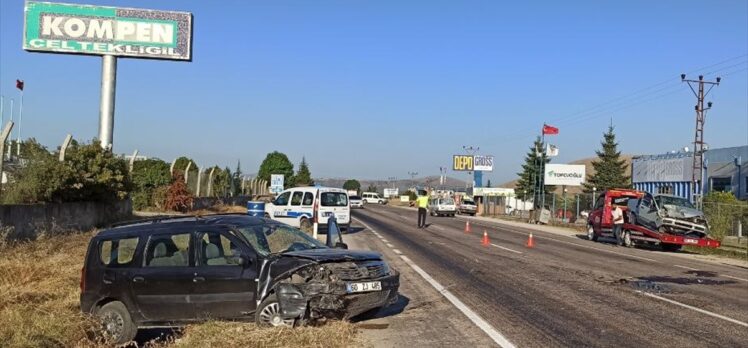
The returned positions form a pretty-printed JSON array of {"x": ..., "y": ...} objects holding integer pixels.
[
  {"x": 198, "y": 279},
  {"x": 138, "y": 279}
]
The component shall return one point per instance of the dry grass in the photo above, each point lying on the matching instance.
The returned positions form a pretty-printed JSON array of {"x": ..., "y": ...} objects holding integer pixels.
[{"x": 39, "y": 306}]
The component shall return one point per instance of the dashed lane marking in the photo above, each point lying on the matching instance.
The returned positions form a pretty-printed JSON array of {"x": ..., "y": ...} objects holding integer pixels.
[
  {"x": 397, "y": 251},
  {"x": 718, "y": 316},
  {"x": 686, "y": 267},
  {"x": 390, "y": 245},
  {"x": 729, "y": 276},
  {"x": 507, "y": 249}
]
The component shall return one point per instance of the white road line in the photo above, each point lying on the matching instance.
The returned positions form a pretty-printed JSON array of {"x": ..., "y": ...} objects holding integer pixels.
[
  {"x": 735, "y": 321},
  {"x": 686, "y": 267},
  {"x": 507, "y": 249},
  {"x": 475, "y": 318},
  {"x": 603, "y": 250},
  {"x": 729, "y": 276},
  {"x": 384, "y": 240},
  {"x": 397, "y": 251},
  {"x": 390, "y": 245}
]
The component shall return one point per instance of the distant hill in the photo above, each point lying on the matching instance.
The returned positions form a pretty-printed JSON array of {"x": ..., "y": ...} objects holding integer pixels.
[
  {"x": 588, "y": 169},
  {"x": 403, "y": 184}
]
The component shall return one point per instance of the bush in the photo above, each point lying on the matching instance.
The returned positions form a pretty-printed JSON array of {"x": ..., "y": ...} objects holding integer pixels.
[
  {"x": 178, "y": 198},
  {"x": 723, "y": 210}
]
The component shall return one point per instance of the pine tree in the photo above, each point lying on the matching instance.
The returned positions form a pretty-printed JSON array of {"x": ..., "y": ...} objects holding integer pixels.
[
  {"x": 237, "y": 179},
  {"x": 303, "y": 176},
  {"x": 527, "y": 183},
  {"x": 610, "y": 169}
]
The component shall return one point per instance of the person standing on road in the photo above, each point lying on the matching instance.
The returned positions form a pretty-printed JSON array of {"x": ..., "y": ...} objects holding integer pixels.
[
  {"x": 617, "y": 215},
  {"x": 422, "y": 202}
]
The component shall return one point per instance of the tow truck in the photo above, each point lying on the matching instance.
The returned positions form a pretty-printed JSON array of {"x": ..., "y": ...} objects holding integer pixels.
[{"x": 600, "y": 224}]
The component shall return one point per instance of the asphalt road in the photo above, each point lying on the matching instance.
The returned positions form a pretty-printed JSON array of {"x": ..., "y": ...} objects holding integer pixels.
[{"x": 567, "y": 291}]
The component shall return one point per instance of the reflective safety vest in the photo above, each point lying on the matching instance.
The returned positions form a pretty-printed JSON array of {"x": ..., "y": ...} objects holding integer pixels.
[{"x": 422, "y": 201}]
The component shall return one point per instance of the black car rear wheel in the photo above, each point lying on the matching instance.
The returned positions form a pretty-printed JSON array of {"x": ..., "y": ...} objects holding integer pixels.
[{"x": 117, "y": 325}]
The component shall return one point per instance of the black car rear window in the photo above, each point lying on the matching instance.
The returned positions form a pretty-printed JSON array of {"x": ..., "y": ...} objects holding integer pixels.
[
  {"x": 334, "y": 199},
  {"x": 118, "y": 252}
]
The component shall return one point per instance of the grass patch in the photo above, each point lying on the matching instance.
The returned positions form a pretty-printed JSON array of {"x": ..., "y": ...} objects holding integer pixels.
[{"x": 39, "y": 306}]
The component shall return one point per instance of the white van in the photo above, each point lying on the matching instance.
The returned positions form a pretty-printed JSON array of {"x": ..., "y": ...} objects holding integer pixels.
[
  {"x": 373, "y": 197},
  {"x": 295, "y": 207}
]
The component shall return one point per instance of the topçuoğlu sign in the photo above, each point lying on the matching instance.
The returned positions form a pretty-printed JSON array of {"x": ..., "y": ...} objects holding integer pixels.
[
  {"x": 83, "y": 29},
  {"x": 564, "y": 174}
]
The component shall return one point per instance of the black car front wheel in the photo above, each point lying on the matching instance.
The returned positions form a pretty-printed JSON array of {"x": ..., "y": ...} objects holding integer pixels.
[
  {"x": 268, "y": 314},
  {"x": 117, "y": 325}
]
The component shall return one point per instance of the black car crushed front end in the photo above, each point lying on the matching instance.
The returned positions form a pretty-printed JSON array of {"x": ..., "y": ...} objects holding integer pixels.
[{"x": 327, "y": 287}]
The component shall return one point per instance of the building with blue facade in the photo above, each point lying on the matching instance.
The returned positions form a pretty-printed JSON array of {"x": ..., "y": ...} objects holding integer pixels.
[{"x": 670, "y": 173}]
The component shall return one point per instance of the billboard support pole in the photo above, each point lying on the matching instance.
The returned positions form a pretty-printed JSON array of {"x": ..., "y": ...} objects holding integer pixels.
[{"x": 106, "y": 109}]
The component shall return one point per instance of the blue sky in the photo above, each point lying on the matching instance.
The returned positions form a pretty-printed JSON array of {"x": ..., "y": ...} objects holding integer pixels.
[{"x": 374, "y": 89}]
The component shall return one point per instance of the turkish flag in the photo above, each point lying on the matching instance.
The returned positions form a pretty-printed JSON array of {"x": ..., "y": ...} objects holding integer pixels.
[
  {"x": 19, "y": 84},
  {"x": 550, "y": 130}
]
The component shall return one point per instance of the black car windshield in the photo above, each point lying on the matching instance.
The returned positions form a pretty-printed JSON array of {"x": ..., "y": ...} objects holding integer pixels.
[
  {"x": 355, "y": 198},
  {"x": 676, "y": 201},
  {"x": 468, "y": 202},
  {"x": 277, "y": 238}
]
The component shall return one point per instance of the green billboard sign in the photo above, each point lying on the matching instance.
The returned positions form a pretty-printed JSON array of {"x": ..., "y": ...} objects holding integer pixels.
[{"x": 98, "y": 30}]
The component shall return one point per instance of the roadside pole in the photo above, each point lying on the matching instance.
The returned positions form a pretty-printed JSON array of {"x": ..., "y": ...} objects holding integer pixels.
[
  {"x": 11, "y": 120},
  {"x": 20, "y": 115},
  {"x": 106, "y": 109},
  {"x": 3, "y": 137}
]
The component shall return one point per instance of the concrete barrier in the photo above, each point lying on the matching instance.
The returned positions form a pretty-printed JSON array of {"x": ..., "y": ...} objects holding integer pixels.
[{"x": 28, "y": 221}]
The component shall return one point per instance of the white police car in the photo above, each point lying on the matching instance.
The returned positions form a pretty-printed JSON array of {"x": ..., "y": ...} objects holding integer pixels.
[{"x": 295, "y": 206}]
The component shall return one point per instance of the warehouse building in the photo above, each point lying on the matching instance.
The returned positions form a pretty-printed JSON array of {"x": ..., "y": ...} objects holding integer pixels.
[{"x": 670, "y": 173}]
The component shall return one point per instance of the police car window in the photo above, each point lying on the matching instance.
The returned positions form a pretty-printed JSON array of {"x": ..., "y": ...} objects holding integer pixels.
[
  {"x": 296, "y": 199},
  {"x": 308, "y": 198},
  {"x": 282, "y": 199},
  {"x": 334, "y": 199}
]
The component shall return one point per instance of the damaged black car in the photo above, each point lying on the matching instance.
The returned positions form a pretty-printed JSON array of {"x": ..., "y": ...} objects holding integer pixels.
[{"x": 167, "y": 272}]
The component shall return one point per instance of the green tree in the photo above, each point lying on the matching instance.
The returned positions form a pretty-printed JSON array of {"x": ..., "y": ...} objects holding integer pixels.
[
  {"x": 40, "y": 180},
  {"x": 236, "y": 183},
  {"x": 99, "y": 174},
  {"x": 220, "y": 182},
  {"x": 303, "y": 176},
  {"x": 276, "y": 163},
  {"x": 147, "y": 175},
  {"x": 532, "y": 170},
  {"x": 352, "y": 184},
  {"x": 371, "y": 188},
  {"x": 610, "y": 169}
]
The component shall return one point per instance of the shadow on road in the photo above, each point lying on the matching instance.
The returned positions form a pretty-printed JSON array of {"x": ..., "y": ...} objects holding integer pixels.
[{"x": 394, "y": 309}]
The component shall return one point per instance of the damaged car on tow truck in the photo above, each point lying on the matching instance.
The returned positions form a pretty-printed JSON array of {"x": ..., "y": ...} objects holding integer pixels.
[{"x": 167, "y": 272}]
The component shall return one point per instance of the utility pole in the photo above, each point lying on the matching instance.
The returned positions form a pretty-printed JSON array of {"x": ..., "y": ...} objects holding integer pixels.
[
  {"x": 413, "y": 179},
  {"x": 471, "y": 150},
  {"x": 698, "y": 143}
]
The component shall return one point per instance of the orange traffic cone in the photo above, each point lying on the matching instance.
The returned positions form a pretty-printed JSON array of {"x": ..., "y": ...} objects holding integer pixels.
[
  {"x": 467, "y": 227},
  {"x": 530, "y": 241},
  {"x": 485, "y": 242}
]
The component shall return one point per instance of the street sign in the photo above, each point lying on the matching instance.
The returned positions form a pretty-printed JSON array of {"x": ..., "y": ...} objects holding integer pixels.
[
  {"x": 114, "y": 31},
  {"x": 564, "y": 174},
  {"x": 276, "y": 183}
]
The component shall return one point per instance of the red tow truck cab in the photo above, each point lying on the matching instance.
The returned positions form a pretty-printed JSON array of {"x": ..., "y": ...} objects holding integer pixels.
[{"x": 600, "y": 224}]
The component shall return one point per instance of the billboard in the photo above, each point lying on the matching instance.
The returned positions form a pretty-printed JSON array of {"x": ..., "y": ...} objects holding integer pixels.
[
  {"x": 391, "y": 192},
  {"x": 100, "y": 30},
  {"x": 493, "y": 191},
  {"x": 276, "y": 183},
  {"x": 469, "y": 163},
  {"x": 462, "y": 163},
  {"x": 483, "y": 163},
  {"x": 564, "y": 174}
]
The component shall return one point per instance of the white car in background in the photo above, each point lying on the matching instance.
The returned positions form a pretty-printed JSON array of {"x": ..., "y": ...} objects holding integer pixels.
[
  {"x": 356, "y": 201},
  {"x": 373, "y": 197},
  {"x": 442, "y": 207},
  {"x": 295, "y": 207}
]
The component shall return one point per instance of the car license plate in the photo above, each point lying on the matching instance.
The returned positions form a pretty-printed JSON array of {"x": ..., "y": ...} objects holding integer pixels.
[
  {"x": 364, "y": 287},
  {"x": 691, "y": 241}
]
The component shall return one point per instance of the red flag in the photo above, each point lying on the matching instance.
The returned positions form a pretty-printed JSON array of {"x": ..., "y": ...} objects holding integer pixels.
[
  {"x": 19, "y": 84},
  {"x": 550, "y": 130}
]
